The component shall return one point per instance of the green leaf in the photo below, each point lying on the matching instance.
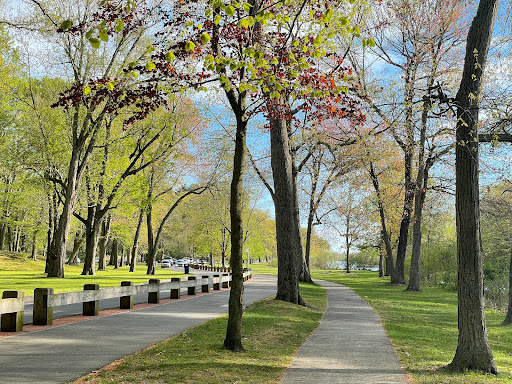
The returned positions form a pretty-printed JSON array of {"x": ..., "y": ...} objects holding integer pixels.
[
  {"x": 89, "y": 34},
  {"x": 94, "y": 42},
  {"x": 217, "y": 19},
  {"x": 134, "y": 74},
  {"x": 344, "y": 21},
  {"x": 371, "y": 42},
  {"x": 66, "y": 24},
  {"x": 189, "y": 46},
  {"x": 208, "y": 13},
  {"x": 150, "y": 66},
  {"x": 230, "y": 11},
  {"x": 103, "y": 36},
  {"x": 87, "y": 90},
  {"x": 244, "y": 23},
  {"x": 119, "y": 25},
  {"x": 169, "y": 56},
  {"x": 247, "y": 7},
  {"x": 205, "y": 38},
  {"x": 110, "y": 86}
]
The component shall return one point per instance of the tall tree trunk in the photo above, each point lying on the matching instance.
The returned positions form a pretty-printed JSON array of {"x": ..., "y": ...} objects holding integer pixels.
[
  {"x": 102, "y": 243},
  {"x": 381, "y": 261},
  {"x": 150, "y": 258},
  {"x": 233, "y": 340},
  {"x": 398, "y": 275},
  {"x": 77, "y": 243},
  {"x": 135, "y": 248},
  {"x": 52, "y": 213},
  {"x": 309, "y": 233},
  {"x": 304, "y": 273},
  {"x": 115, "y": 251},
  {"x": 414, "y": 272},
  {"x": 473, "y": 351},
  {"x": 112, "y": 260},
  {"x": 287, "y": 254},
  {"x": 121, "y": 261},
  {"x": 57, "y": 252},
  {"x": 33, "y": 252},
  {"x": 3, "y": 227},
  {"x": 508, "y": 317},
  {"x": 419, "y": 200},
  {"x": 384, "y": 231},
  {"x": 9, "y": 238},
  {"x": 347, "y": 243},
  {"x": 91, "y": 240}
]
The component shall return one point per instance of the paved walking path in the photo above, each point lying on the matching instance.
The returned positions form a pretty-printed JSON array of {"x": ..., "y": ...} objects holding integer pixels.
[
  {"x": 349, "y": 346},
  {"x": 64, "y": 353}
]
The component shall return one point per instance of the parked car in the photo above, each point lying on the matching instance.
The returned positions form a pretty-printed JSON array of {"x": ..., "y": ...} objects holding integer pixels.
[
  {"x": 180, "y": 263},
  {"x": 166, "y": 263}
]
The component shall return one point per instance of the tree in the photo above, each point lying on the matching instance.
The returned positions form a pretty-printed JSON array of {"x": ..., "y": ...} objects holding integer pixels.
[
  {"x": 418, "y": 41},
  {"x": 473, "y": 351},
  {"x": 90, "y": 98}
]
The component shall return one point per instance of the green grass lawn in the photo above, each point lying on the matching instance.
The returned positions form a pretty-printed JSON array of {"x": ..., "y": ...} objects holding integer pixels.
[
  {"x": 272, "y": 333},
  {"x": 19, "y": 273},
  {"x": 423, "y": 326}
]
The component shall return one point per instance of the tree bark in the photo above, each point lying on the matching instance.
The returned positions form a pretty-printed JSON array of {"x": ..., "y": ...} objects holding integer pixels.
[
  {"x": 115, "y": 251},
  {"x": 414, "y": 273},
  {"x": 304, "y": 272},
  {"x": 57, "y": 252},
  {"x": 288, "y": 262},
  {"x": 309, "y": 233},
  {"x": 105, "y": 229},
  {"x": 233, "y": 340},
  {"x": 398, "y": 275},
  {"x": 384, "y": 231},
  {"x": 473, "y": 351},
  {"x": 77, "y": 243},
  {"x": 508, "y": 317},
  {"x": 121, "y": 261},
  {"x": 135, "y": 248},
  {"x": 33, "y": 253},
  {"x": 92, "y": 229}
]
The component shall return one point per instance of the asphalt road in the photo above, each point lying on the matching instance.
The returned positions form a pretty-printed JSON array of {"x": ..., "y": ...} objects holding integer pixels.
[{"x": 67, "y": 352}]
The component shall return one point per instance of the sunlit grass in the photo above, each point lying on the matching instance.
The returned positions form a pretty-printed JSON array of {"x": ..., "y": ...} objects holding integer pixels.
[
  {"x": 17, "y": 272},
  {"x": 272, "y": 332}
]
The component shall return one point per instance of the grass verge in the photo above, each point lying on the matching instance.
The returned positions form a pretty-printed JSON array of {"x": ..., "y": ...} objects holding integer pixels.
[
  {"x": 272, "y": 333},
  {"x": 18, "y": 272},
  {"x": 423, "y": 327}
]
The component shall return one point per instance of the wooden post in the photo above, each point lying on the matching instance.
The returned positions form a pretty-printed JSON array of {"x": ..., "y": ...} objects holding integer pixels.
[
  {"x": 12, "y": 322},
  {"x": 205, "y": 287},
  {"x": 175, "y": 292},
  {"x": 216, "y": 285},
  {"x": 192, "y": 290},
  {"x": 225, "y": 278},
  {"x": 126, "y": 302},
  {"x": 43, "y": 313},
  {"x": 91, "y": 308},
  {"x": 154, "y": 297}
]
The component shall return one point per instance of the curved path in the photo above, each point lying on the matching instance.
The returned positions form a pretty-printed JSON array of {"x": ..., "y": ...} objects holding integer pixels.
[
  {"x": 64, "y": 353},
  {"x": 349, "y": 346}
]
